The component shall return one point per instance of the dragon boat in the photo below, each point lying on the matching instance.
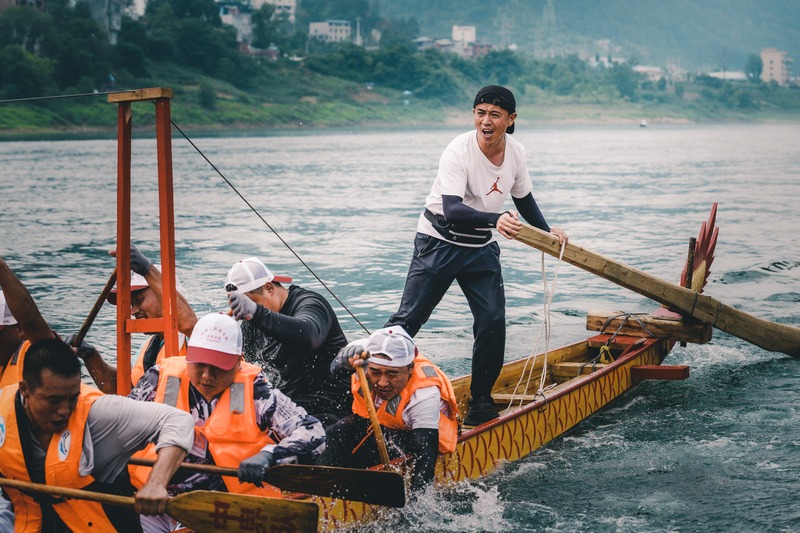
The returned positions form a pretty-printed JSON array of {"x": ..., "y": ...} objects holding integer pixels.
[{"x": 538, "y": 397}]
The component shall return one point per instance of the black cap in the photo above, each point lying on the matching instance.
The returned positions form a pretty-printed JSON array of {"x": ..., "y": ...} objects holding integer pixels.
[{"x": 499, "y": 96}]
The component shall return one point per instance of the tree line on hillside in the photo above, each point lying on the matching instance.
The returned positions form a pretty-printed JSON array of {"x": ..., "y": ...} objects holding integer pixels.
[{"x": 64, "y": 51}]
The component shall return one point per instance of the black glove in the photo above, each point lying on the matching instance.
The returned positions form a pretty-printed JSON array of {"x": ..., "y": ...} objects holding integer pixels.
[
  {"x": 252, "y": 469},
  {"x": 84, "y": 350},
  {"x": 341, "y": 362},
  {"x": 139, "y": 263}
]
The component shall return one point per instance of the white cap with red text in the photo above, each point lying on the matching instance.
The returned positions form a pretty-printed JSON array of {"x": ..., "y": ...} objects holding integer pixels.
[{"x": 216, "y": 340}]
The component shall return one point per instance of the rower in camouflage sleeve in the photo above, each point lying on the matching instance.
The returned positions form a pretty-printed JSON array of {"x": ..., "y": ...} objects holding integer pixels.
[{"x": 241, "y": 421}]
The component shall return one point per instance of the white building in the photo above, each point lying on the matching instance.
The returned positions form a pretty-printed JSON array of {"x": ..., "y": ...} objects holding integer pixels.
[
  {"x": 463, "y": 38},
  {"x": 464, "y": 34},
  {"x": 240, "y": 19},
  {"x": 330, "y": 31},
  {"x": 777, "y": 65},
  {"x": 284, "y": 9}
]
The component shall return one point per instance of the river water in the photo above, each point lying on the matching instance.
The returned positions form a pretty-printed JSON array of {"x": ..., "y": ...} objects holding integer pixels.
[{"x": 719, "y": 451}]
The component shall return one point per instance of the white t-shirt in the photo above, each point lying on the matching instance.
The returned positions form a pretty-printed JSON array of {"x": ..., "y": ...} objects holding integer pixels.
[
  {"x": 423, "y": 409},
  {"x": 464, "y": 171}
]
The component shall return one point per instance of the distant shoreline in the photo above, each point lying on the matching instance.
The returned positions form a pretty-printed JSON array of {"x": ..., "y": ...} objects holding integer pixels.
[{"x": 530, "y": 116}]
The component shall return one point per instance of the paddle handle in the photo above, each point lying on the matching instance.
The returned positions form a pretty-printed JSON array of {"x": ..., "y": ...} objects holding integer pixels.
[
  {"x": 111, "y": 499},
  {"x": 203, "y": 510},
  {"x": 112, "y": 279},
  {"x": 191, "y": 467},
  {"x": 373, "y": 416}
]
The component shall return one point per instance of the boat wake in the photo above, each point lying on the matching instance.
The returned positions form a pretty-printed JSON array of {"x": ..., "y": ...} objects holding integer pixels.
[{"x": 460, "y": 507}]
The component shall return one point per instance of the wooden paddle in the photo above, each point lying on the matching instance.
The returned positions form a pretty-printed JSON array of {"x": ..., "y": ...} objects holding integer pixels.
[
  {"x": 206, "y": 511},
  {"x": 112, "y": 279},
  {"x": 762, "y": 333},
  {"x": 373, "y": 415},
  {"x": 378, "y": 487}
]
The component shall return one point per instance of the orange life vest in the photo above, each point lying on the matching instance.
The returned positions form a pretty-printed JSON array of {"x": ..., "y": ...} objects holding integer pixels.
[
  {"x": 61, "y": 467},
  {"x": 390, "y": 414},
  {"x": 231, "y": 430},
  {"x": 12, "y": 373},
  {"x": 138, "y": 368}
]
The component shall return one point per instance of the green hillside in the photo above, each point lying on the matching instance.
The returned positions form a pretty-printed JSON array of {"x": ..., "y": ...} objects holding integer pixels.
[
  {"x": 707, "y": 34},
  {"x": 45, "y": 57}
]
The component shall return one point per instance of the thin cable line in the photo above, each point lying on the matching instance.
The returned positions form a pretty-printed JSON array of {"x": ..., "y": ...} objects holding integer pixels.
[
  {"x": 57, "y": 97},
  {"x": 273, "y": 230}
]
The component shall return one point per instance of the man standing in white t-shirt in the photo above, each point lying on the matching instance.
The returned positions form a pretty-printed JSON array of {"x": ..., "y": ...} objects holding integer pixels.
[{"x": 477, "y": 172}]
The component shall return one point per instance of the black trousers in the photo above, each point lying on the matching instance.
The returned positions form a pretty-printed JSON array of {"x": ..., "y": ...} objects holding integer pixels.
[{"x": 435, "y": 265}]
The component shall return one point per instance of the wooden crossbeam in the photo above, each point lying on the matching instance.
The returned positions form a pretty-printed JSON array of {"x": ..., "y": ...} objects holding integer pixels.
[{"x": 660, "y": 326}]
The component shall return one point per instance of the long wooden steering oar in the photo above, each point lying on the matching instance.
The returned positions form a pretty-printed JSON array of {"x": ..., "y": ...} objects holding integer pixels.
[
  {"x": 373, "y": 415},
  {"x": 96, "y": 309},
  {"x": 768, "y": 335},
  {"x": 207, "y": 511},
  {"x": 377, "y": 487}
]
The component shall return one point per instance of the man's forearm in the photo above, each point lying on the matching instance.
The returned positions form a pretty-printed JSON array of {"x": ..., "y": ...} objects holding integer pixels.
[
  {"x": 530, "y": 211},
  {"x": 304, "y": 331},
  {"x": 425, "y": 444},
  {"x": 456, "y": 212},
  {"x": 22, "y": 306}
]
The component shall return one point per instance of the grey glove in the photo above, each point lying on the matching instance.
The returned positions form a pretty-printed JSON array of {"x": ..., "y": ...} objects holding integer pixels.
[
  {"x": 139, "y": 263},
  {"x": 342, "y": 360},
  {"x": 252, "y": 469},
  {"x": 242, "y": 306},
  {"x": 84, "y": 350}
]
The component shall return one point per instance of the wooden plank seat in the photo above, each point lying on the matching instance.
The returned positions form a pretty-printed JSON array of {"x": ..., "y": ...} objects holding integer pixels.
[{"x": 570, "y": 369}]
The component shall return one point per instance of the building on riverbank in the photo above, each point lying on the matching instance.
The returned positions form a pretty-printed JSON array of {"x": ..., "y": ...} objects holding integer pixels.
[{"x": 777, "y": 66}]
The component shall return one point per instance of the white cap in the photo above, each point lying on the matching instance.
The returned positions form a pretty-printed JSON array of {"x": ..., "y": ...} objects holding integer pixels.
[
  {"x": 250, "y": 274},
  {"x": 6, "y": 318},
  {"x": 393, "y": 342},
  {"x": 138, "y": 282},
  {"x": 216, "y": 340}
]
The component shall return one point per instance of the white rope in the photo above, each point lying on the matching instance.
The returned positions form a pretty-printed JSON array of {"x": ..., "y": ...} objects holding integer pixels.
[{"x": 548, "y": 294}]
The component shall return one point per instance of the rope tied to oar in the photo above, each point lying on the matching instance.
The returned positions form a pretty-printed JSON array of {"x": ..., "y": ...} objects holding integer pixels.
[
  {"x": 605, "y": 357},
  {"x": 625, "y": 317},
  {"x": 548, "y": 292}
]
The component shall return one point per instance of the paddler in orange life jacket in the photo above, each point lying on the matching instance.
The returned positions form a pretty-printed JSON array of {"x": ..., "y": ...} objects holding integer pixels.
[
  {"x": 241, "y": 421},
  {"x": 57, "y": 431},
  {"x": 14, "y": 343},
  {"x": 414, "y": 400},
  {"x": 21, "y": 324},
  {"x": 145, "y": 303}
]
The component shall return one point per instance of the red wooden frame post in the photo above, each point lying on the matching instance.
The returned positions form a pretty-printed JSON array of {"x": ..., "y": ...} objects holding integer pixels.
[
  {"x": 166, "y": 209},
  {"x": 168, "y": 325}
]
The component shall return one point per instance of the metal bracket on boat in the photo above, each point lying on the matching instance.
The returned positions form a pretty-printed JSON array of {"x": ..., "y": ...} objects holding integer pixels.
[{"x": 661, "y": 372}]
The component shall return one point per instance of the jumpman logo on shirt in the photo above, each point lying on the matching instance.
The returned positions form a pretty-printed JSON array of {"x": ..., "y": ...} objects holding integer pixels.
[{"x": 494, "y": 187}]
